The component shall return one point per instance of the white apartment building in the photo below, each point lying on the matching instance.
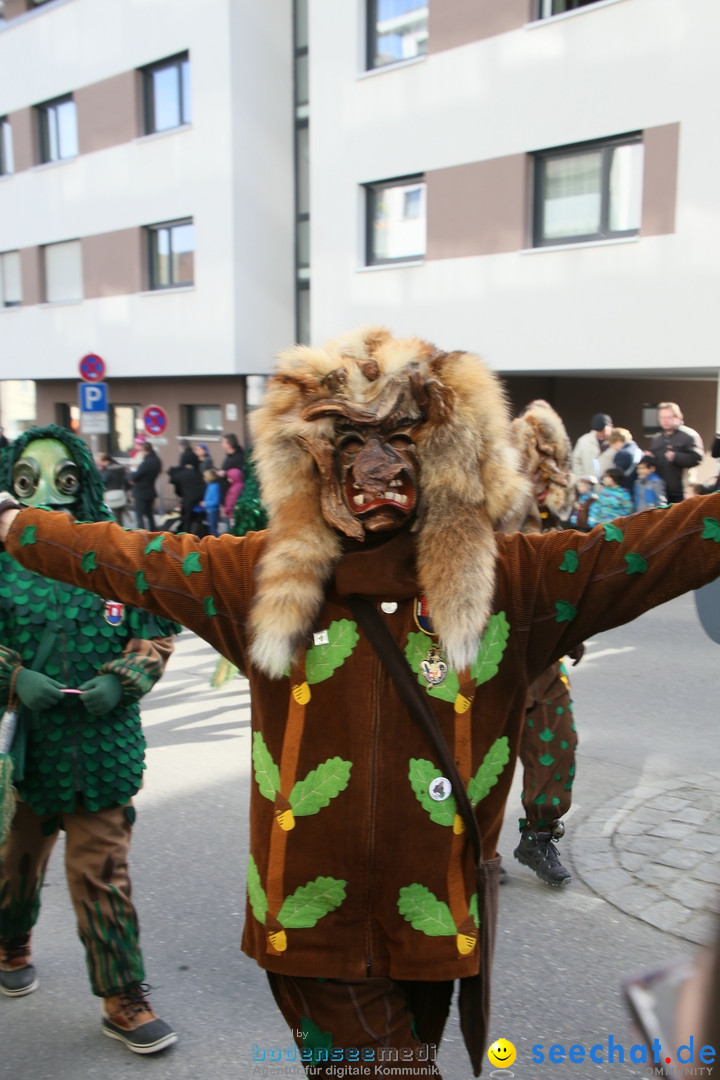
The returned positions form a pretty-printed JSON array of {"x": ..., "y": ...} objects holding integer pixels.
[
  {"x": 535, "y": 180},
  {"x": 146, "y": 205},
  {"x": 186, "y": 188}
]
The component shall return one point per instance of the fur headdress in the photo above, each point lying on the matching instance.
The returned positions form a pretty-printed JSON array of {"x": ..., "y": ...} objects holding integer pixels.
[
  {"x": 545, "y": 456},
  {"x": 468, "y": 478}
]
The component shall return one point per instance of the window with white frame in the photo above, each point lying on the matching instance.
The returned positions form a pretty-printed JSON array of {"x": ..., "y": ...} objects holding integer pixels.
[
  {"x": 590, "y": 191},
  {"x": 57, "y": 121},
  {"x": 548, "y": 8},
  {"x": 395, "y": 218},
  {"x": 396, "y": 30},
  {"x": 7, "y": 164},
  {"x": 10, "y": 279},
  {"x": 166, "y": 94},
  {"x": 171, "y": 248},
  {"x": 63, "y": 271},
  {"x": 201, "y": 420}
]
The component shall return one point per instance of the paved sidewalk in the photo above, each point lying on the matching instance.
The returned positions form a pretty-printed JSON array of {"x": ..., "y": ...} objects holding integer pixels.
[{"x": 655, "y": 854}]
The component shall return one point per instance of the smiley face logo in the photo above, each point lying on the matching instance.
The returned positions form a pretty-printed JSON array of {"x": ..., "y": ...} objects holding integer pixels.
[{"x": 502, "y": 1053}]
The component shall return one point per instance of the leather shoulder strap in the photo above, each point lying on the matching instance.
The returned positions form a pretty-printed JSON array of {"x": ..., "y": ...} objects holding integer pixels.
[{"x": 417, "y": 704}]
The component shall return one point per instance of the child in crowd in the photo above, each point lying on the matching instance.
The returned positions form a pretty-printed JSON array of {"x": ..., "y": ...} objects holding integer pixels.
[
  {"x": 613, "y": 500},
  {"x": 211, "y": 502},
  {"x": 585, "y": 497},
  {"x": 649, "y": 489},
  {"x": 234, "y": 478}
]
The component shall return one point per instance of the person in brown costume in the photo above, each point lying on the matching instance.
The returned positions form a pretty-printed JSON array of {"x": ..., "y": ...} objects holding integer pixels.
[{"x": 386, "y": 466}]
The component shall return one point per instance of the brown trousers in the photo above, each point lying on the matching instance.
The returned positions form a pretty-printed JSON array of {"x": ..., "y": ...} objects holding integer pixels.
[
  {"x": 547, "y": 748},
  {"x": 96, "y": 867},
  {"x": 378, "y": 1023}
]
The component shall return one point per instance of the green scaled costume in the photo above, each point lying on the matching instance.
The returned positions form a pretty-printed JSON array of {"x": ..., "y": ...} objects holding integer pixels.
[{"x": 77, "y": 760}]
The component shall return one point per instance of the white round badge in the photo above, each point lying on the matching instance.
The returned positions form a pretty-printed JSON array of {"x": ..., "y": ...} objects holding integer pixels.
[{"x": 440, "y": 789}]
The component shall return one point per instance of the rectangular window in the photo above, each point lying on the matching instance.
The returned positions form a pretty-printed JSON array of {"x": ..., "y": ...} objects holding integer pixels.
[
  {"x": 395, "y": 217},
  {"x": 58, "y": 129},
  {"x": 172, "y": 254},
  {"x": 166, "y": 92},
  {"x": 199, "y": 420},
  {"x": 396, "y": 30},
  {"x": 548, "y": 8},
  {"x": 10, "y": 279},
  {"x": 63, "y": 271},
  {"x": 591, "y": 191},
  {"x": 7, "y": 164}
]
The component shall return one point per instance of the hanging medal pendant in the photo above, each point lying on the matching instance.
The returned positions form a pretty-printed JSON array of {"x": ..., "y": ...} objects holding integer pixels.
[{"x": 433, "y": 667}]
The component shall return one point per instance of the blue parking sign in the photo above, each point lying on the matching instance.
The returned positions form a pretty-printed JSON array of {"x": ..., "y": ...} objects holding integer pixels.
[{"x": 93, "y": 397}]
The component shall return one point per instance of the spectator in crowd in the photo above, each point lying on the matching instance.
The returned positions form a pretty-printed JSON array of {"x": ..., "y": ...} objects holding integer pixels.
[
  {"x": 235, "y": 479},
  {"x": 234, "y": 459},
  {"x": 188, "y": 456},
  {"x": 649, "y": 489},
  {"x": 627, "y": 455},
  {"x": 202, "y": 452},
  {"x": 144, "y": 492},
  {"x": 592, "y": 453},
  {"x": 586, "y": 493},
  {"x": 211, "y": 500},
  {"x": 116, "y": 484},
  {"x": 613, "y": 500},
  {"x": 678, "y": 450},
  {"x": 190, "y": 489}
]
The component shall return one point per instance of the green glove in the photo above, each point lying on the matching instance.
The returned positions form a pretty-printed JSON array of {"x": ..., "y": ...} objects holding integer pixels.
[
  {"x": 101, "y": 694},
  {"x": 36, "y": 690}
]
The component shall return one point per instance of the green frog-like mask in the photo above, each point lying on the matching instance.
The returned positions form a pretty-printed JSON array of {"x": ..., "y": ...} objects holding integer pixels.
[{"x": 45, "y": 475}]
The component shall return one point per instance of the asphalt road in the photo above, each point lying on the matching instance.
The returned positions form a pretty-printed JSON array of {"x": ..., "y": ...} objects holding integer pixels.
[{"x": 645, "y": 703}]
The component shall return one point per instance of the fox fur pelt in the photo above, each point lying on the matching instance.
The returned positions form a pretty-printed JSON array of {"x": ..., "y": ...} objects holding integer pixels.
[
  {"x": 545, "y": 457},
  {"x": 469, "y": 481}
]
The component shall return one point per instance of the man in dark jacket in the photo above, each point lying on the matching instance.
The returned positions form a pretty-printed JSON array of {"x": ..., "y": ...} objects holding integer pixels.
[
  {"x": 143, "y": 489},
  {"x": 677, "y": 448},
  {"x": 190, "y": 488}
]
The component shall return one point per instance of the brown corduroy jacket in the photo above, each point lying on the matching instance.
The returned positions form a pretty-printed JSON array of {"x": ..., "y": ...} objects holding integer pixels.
[{"x": 359, "y": 863}]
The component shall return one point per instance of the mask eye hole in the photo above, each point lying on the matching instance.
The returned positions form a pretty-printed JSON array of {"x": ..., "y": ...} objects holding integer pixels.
[
  {"x": 25, "y": 478},
  {"x": 67, "y": 478}
]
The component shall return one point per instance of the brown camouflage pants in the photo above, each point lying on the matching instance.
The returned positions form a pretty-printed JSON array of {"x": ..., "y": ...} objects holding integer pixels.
[
  {"x": 96, "y": 867},
  {"x": 547, "y": 749},
  {"x": 385, "y": 1023}
]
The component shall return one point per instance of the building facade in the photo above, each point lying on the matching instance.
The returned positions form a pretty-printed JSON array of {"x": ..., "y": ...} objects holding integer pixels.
[
  {"x": 534, "y": 180},
  {"x": 146, "y": 205},
  {"x": 185, "y": 189}
]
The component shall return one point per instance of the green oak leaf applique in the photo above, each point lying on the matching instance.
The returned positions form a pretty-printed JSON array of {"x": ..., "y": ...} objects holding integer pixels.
[
  {"x": 267, "y": 774},
  {"x": 191, "y": 564},
  {"x": 88, "y": 561},
  {"x": 565, "y": 611},
  {"x": 612, "y": 532},
  {"x": 421, "y": 775},
  {"x": 492, "y": 647},
  {"x": 28, "y": 535},
  {"x": 154, "y": 545},
  {"x": 209, "y": 605},
  {"x": 474, "y": 912},
  {"x": 319, "y": 787},
  {"x": 711, "y": 530},
  {"x": 310, "y": 902},
  {"x": 547, "y": 760},
  {"x": 422, "y": 909},
  {"x": 321, "y": 661},
  {"x": 416, "y": 651},
  {"x": 487, "y": 775},
  {"x": 636, "y": 563},
  {"x": 570, "y": 562},
  {"x": 256, "y": 893},
  {"x": 314, "y": 1039},
  {"x": 141, "y": 582}
]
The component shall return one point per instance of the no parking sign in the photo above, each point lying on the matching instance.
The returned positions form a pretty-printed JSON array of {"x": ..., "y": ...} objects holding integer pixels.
[{"x": 155, "y": 420}]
